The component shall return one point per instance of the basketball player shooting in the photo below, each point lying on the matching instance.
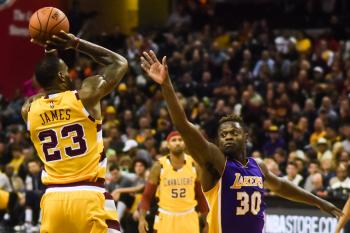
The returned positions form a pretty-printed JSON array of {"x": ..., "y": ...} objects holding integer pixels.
[
  {"x": 233, "y": 182},
  {"x": 65, "y": 128}
]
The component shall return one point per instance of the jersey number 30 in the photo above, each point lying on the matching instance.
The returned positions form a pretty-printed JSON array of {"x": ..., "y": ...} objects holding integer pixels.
[
  {"x": 251, "y": 204},
  {"x": 49, "y": 141}
]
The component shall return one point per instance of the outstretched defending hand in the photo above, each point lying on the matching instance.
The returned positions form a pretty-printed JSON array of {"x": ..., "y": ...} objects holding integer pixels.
[{"x": 151, "y": 65}]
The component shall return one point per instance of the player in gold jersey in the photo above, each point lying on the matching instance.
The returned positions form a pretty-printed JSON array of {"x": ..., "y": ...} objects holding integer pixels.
[
  {"x": 65, "y": 128},
  {"x": 176, "y": 177}
]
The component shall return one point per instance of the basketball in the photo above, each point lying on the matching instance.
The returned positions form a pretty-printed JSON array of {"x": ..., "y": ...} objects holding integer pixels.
[{"x": 46, "y": 22}]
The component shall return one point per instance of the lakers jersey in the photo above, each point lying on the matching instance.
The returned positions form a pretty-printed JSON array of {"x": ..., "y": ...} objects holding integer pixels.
[
  {"x": 176, "y": 187},
  {"x": 67, "y": 139},
  {"x": 236, "y": 201}
]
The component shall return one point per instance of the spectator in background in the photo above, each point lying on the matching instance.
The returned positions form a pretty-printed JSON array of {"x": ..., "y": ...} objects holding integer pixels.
[
  {"x": 17, "y": 158},
  {"x": 274, "y": 141},
  {"x": 131, "y": 148},
  {"x": 346, "y": 141},
  {"x": 117, "y": 179},
  {"x": 5, "y": 182},
  {"x": 110, "y": 118},
  {"x": 322, "y": 150},
  {"x": 16, "y": 182},
  {"x": 313, "y": 168},
  {"x": 340, "y": 185},
  {"x": 317, "y": 183},
  {"x": 130, "y": 197},
  {"x": 280, "y": 156},
  {"x": 34, "y": 191},
  {"x": 264, "y": 60},
  {"x": 327, "y": 171},
  {"x": 319, "y": 131},
  {"x": 292, "y": 174}
]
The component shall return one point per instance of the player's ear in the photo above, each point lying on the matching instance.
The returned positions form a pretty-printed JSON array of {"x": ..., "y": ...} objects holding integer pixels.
[{"x": 61, "y": 76}]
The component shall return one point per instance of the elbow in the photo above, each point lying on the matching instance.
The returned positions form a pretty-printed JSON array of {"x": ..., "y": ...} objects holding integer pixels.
[
  {"x": 120, "y": 62},
  {"x": 279, "y": 186},
  {"x": 123, "y": 63}
]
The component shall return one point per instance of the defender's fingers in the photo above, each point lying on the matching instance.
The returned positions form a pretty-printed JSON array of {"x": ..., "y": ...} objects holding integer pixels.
[
  {"x": 145, "y": 63},
  {"x": 153, "y": 56},
  {"x": 164, "y": 61},
  {"x": 148, "y": 58}
]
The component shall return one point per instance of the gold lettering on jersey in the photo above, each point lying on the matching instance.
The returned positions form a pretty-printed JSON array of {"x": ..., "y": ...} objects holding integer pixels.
[
  {"x": 247, "y": 181},
  {"x": 178, "y": 181},
  {"x": 55, "y": 115}
]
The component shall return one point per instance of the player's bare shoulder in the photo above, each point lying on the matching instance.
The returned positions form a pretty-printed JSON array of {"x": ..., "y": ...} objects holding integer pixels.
[
  {"x": 261, "y": 165},
  {"x": 26, "y": 106}
]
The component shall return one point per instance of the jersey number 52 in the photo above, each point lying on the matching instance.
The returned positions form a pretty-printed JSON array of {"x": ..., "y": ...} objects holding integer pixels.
[{"x": 178, "y": 193}]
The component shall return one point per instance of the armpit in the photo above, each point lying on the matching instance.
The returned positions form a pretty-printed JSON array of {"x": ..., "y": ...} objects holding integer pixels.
[{"x": 212, "y": 170}]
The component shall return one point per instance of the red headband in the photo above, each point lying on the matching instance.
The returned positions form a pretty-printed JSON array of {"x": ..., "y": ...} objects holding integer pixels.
[{"x": 172, "y": 134}]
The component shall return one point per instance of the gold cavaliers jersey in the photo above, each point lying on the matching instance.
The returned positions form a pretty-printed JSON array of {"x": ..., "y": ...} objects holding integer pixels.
[
  {"x": 68, "y": 140},
  {"x": 176, "y": 187}
]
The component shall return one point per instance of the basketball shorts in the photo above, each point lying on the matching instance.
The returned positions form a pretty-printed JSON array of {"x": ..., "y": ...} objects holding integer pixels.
[
  {"x": 4, "y": 199},
  {"x": 85, "y": 209},
  {"x": 176, "y": 222}
]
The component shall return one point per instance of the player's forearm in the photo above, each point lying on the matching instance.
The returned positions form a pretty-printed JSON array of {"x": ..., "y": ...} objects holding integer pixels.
[
  {"x": 131, "y": 189},
  {"x": 342, "y": 221},
  {"x": 176, "y": 111},
  {"x": 100, "y": 54},
  {"x": 294, "y": 193},
  {"x": 148, "y": 194},
  {"x": 143, "y": 213},
  {"x": 203, "y": 207},
  {"x": 345, "y": 218}
]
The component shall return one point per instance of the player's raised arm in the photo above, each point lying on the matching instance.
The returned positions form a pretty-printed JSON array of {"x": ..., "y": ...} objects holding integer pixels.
[
  {"x": 207, "y": 155},
  {"x": 115, "y": 65},
  {"x": 288, "y": 190}
]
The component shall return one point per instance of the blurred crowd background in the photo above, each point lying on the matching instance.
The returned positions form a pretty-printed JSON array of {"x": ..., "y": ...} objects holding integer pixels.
[{"x": 289, "y": 78}]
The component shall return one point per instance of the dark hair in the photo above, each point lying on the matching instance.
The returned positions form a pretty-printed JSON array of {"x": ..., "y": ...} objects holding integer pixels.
[
  {"x": 292, "y": 163},
  {"x": 314, "y": 161},
  {"x": 34, "y": 160},
  {"x": 114, "y": 167},
  {"x": 46, "y": 70},
  {"x": 140, "y": 160},
  {"x": 281, "y": 152},
  {"x": 232, "y": 118}
]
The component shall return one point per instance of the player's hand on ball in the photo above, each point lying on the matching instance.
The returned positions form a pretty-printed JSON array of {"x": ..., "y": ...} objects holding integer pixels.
[
  {"x": 151, "y": 65},
  {"x": 63, "y": 40},
  {"x": 48, "y": 49}
]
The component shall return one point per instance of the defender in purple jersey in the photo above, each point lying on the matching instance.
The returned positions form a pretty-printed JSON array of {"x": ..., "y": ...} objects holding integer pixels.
[{"x": 233, "y": 183}]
